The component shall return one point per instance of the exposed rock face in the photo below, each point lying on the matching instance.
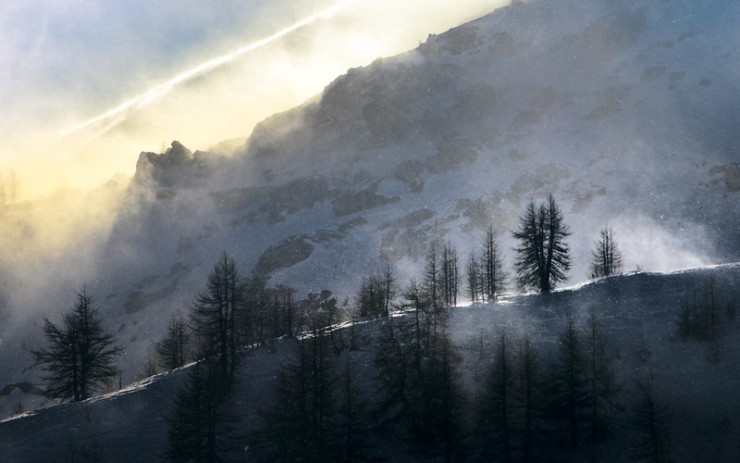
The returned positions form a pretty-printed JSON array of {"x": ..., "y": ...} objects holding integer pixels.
[
  {"x": 177, "y": 166},
  {"x": 357, "y": 201},
  {"x": 287, "y": 253},
  {"x": 728, "y": 175}
]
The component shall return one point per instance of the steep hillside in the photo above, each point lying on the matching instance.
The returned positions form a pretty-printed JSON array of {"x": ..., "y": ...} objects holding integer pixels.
[
  {"x": 639, "y": 315},
  {"x": 624, "y": 110}
]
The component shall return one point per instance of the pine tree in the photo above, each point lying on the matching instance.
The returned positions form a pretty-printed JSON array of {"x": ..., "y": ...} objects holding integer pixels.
[
  {"x": 449, "y": 276},
  {"x": 282, "y": 310},
  {"x": 432, "y": 275},
  {"x": 493, "y": 277},
  {"x": 712, "y": 321},
  {"x": 652, "y": 433},
  {"x": 417, "y": 371},
  {"x": 474, "y": 279},
  {"x": 172, "y": 351},
  {"x": 447, "y": 402},
  {"x": 214, "y": 315},
  {"x": 79, "y": 359},
  {"x": 527, "y": 401},
  {"x": 495, "y": 425},
  {"x": 372, "y": 296},
  {"x": 701, "y": 321},
  {"x": 393, "y": 361},
  {"x": 353, "y": 424},
  {"x": 569, "y": 394},
  {"x": 254, "y": 319},
  {"x": 542, "y": 255},
  {"x": 600, "y": 379},
  {"x": 606, "y": 258},
  {"x": 389, "y": 289},
  {"x": 302, "y": 421},
  {"x": 200, "y": 424}
]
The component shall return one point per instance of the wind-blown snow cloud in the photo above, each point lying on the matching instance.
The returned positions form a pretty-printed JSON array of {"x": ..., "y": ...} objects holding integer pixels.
[
  {"x": 66, "y": 62},
  {"x": 650, "y": 246}
]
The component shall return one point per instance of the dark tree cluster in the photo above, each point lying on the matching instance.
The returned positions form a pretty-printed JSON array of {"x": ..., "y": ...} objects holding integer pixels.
[
  {"x": 269, "y": 312},
  {"x": 701, "y": 320},
  {"x": 528, "y": 408},
  {"x": 376, "y": 294},
  {"x": 316, "y": 413},
  {"x": 542, "y": 261},
  {"x": 486, "y": 275},
  {"x": 200, "y": 424},
  {"x": 511, "y": 417},
  {"x": 441, "y": 281},
  {"x": 652, "y": 431},
  {"x": 199, "y": 421},
  {"x": 418, "y": 369},
  {"x": 174, "y": 350},
  {"x": 231, "y": 312}
]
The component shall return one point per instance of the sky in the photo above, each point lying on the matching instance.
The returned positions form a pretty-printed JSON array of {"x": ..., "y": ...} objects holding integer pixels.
[{"x": 86, "y": 85}]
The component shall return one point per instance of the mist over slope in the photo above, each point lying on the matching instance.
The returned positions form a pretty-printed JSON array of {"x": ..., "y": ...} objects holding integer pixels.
[{"x": 625, "y": 111}]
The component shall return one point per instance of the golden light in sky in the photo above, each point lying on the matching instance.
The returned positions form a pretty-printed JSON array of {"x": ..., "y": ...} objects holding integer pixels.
[{"x": 86, "y": 88}]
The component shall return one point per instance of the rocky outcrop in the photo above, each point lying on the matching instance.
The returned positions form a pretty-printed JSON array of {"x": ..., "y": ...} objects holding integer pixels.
[
  {"x": 287, "y": 253},
  {"x": 177, "y": 166},
  {"x": 728, "y": 176}
]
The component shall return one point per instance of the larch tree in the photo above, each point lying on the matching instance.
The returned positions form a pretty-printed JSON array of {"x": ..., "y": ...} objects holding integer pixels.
[
  {"x": 254, "y": 318},
  {"x": 200, "y": 422},
  {"x": 495, "y": 422},
  {"x": 214, "y": 315},
  {"x": 80, "y": 356},
  {"x": 651, "y": 428},
  {"x": 493, "y": 277},
  {"x": 353, "y": 424},
  {"x": 372, "y": 298},
  {"x": 606, "y": 258},
  {"x": 301, "y": 421},
  {"x": 600, "y": 378},
  {"x": 389, "y": 288},
  {"x": 418, "y": 376},
  {"x": 570, "y": 385},
  {"x": 172, "y": 351},
  {"x": 528, "y": 401},
  {"x": 474, "y": 279},
  {"x": 432, "y": 276},
  {"x": 543, "y": 257},
  {"x": 450, "y": 278}
]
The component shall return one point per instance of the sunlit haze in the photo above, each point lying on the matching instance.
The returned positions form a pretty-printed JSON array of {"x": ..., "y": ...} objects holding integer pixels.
[{"x": 86, "y": 87}]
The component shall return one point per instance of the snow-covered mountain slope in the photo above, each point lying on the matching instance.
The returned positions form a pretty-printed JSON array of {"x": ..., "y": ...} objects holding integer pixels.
[
  {"x": 638, "y": 312},
  {"x": 624, "y": 110}
]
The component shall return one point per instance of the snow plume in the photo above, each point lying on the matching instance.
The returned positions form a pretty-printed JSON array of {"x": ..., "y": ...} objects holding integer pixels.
[
  {"x": 52, "y": 241},
  {"x": 652, "y": 246}
]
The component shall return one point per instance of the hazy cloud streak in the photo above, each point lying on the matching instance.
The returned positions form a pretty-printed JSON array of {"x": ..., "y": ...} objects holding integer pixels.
[{"x": 154, "y": 94}]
